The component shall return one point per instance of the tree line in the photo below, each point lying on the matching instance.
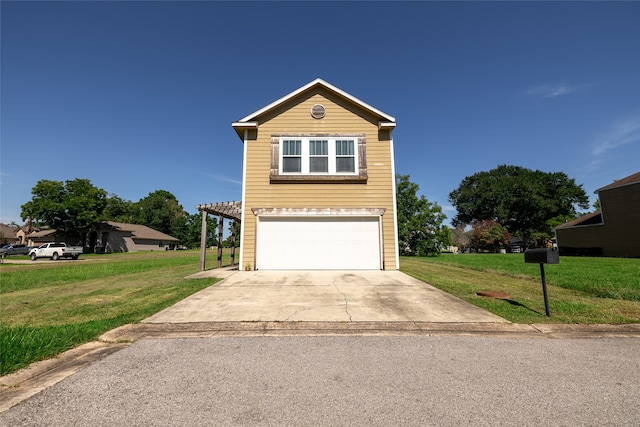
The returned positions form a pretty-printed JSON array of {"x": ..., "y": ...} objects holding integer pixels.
[
  {"x": 74, "y": 205},
  {"x": 492, "y": 206}
]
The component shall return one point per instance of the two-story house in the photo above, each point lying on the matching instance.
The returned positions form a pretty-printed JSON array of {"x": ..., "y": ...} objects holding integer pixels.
[{"x": 318, "y": 183}]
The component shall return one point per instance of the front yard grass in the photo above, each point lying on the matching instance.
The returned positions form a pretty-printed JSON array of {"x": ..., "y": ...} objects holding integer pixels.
[
  {"x": 48, "y": 308},
  {"x": 581, "y": 290}
]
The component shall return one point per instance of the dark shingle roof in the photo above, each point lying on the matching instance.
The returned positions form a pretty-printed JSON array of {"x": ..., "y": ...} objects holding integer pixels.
[
  {"x": 141, "y": 231},
  {"x": 587, "y": 219},
  {"x": 631, "y": 179}
]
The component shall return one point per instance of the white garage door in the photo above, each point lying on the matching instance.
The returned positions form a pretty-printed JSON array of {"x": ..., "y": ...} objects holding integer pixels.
[{"x": 312, "y": 243}]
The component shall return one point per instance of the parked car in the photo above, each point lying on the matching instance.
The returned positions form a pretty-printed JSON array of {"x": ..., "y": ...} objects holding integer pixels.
[
  {"x": 55, "y": 251},
  {"x": 15, "y": 249}
]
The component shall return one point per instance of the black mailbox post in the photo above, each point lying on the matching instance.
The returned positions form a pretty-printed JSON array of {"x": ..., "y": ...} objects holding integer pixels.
[{"x": 543, "y": 256}]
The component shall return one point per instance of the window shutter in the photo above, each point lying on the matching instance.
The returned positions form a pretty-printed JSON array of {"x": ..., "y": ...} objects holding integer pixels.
[
  {"x": 275, "y": 155},
  {"x": 362, "y": 156}
]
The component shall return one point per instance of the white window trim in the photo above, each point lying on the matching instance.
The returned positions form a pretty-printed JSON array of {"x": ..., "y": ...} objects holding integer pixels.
[{"x": 332, "y": 155}]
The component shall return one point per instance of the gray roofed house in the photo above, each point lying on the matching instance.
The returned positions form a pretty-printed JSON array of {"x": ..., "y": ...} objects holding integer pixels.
[
  {"x": 38, "y": 237},
  {"x": 110, "y": 236},
  {"x": 8, "y": 234}
]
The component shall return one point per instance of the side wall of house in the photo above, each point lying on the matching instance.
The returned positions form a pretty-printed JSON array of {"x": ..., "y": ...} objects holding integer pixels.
[
  {"x": 621, "y": 217},
  {"x": 149, "y": 245},
  {"x": 619, "y": 234},
  {"x": 118, "y": 241},
  {"x": 581, "y": 240},
  {"x": 341, "y": 118},
  {"x": 122, "y": 241}
]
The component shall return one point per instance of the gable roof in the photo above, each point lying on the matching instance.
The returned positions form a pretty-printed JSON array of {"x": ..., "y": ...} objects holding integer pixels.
[
  {"x": 592, "y": 218},
  {"x": 8, "y": 231},
  {"x": 42, "y": 233},
  {"x": 140, "y": 231},
  {"x": 249, "y": 122},
  {"x": 631, "y": 179}
]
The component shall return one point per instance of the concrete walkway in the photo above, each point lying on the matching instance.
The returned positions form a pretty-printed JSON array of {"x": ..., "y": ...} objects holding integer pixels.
[{"x": 321, "y": 296}]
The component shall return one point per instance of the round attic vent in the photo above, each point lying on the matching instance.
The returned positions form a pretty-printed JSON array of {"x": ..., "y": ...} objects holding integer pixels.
[{"x": 318, "y": 111}]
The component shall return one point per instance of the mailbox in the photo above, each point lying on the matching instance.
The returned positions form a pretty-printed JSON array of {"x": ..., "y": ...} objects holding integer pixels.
[{"x": 542, "y": 256}]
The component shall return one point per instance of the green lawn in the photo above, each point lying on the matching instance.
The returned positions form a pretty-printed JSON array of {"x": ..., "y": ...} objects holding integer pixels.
[
  {"x": 47, "y": 308},
  {"x": 581, "y": 290}
]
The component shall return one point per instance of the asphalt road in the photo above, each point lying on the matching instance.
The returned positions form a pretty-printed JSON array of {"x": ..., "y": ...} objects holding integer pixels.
[{"x": 349, "y": 381}]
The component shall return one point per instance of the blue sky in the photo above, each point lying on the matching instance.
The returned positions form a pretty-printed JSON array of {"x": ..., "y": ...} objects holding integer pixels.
[{"x": 140, "y": 96}]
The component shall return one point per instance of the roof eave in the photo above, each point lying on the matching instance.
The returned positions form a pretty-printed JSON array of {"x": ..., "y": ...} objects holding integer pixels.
[
  {"x": 240, "y": 127},
  {"x": 386, "y": 125},
  {"x": 252, "y": 116}
]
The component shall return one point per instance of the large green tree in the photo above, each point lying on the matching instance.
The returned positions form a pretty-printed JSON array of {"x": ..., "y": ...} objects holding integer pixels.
[
  {"x": 193, "y": 235},
  {"x": 161, "y": 211},
  {"x": 526, "y": 202},
  {"x": 420, "y": 229},
  {"x": 68, "y": 206},
  {"x": 118, "y": 210}
]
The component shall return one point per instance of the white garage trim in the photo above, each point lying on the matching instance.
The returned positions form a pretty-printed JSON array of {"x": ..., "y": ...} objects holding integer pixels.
[{"x": 319, "y": 242}]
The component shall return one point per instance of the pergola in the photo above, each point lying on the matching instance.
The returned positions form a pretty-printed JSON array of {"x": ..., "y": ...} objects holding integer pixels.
[{"x": 229, "y": 210}]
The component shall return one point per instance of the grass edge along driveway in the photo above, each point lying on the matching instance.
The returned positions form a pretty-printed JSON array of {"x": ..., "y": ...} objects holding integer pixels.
[
  {"x": 592, "y": 291},
  {"x": 48, "y": 308}
]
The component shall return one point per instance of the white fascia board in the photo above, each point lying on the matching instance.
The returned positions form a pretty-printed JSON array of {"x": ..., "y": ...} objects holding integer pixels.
[
  {"x": 241, "y": 128},
  {"x": 386, "y": 125},
  {"x": 245, "y": 125},
  {"x": 342, "y": 93}
]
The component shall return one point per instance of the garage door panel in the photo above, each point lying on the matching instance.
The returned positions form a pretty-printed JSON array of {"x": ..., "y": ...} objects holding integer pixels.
[{"x": 318, "y": 243}]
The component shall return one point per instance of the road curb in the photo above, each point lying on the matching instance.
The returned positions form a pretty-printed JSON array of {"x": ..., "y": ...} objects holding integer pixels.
[
  {"x": 133, "y": 332},
  {"x": 23, "y": 384}
]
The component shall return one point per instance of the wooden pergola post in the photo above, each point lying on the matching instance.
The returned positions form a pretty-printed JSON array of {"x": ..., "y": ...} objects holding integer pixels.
[
  {"x": 229, "y": 210},
  {"x": 220, "y": 228},
  {"x": 203, "y": 240},
  {"x": 233, "y": 242}
]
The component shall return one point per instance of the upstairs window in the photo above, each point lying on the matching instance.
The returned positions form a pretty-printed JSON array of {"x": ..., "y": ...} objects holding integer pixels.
[
  {"x": 318, "y": 156},
  {"x": 291, "y": 156},
  {"x": 345, "y": 156}
]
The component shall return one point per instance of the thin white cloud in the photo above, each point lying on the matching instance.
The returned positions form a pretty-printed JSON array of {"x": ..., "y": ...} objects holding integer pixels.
[
  {"x": 551, "y": 91},
  {"x": 623, "y": 132},
  {"x": 221, "y": 178},
  {"x": 229, "y": 180}
]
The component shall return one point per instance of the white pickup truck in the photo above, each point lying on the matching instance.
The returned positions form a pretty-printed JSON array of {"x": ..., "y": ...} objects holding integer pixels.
[{"x": 55, "y": 251}]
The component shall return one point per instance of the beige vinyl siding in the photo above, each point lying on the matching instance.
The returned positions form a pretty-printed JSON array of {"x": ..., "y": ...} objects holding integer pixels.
[{"x": 339, "y": 119}]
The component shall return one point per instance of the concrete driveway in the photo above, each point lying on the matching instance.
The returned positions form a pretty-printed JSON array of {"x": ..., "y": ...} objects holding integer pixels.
[{"x": 321, "y": 296}]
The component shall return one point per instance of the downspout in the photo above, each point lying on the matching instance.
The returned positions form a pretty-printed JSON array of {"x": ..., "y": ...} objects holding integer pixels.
[
  {"x": 244, "y": 201},
  {"x": 395, "y": 204}
]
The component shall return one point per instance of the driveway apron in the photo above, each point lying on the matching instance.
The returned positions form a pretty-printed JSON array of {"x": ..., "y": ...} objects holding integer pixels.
[{"x": 322, "y": 296}]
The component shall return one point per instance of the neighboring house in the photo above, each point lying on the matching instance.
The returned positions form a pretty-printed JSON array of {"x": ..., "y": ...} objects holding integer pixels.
[
  {"x": 21, "y": 235},
  {"x": 38, "y": 237},
  {"x": 109, "y": 236},
  {"x": 612, "y": 231},
  {"x": 318, "y": 183},
  {"x": 9, "y": 234}
]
